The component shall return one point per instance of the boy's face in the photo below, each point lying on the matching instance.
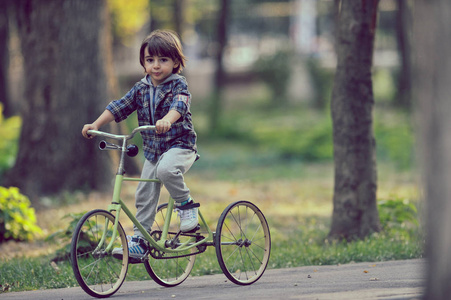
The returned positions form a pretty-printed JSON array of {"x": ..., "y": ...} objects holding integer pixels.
[{"x": 158, "y": 67}]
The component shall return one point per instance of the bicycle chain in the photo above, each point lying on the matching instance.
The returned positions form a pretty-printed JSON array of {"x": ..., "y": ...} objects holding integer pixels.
[{"x": 157, "y": 254}]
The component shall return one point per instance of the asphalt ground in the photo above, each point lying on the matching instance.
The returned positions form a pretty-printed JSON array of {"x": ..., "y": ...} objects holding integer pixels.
[{"x": 369, "y": 280}]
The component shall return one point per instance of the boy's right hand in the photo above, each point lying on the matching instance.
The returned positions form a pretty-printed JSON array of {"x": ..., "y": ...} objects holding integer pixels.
[{"x": 85, "y": 129}]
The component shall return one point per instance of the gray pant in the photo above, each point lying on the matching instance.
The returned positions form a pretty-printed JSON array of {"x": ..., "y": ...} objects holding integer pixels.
[{"x": 169, "y": 169}]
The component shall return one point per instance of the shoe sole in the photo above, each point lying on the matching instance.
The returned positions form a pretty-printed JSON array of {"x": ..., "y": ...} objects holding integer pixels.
[
  {"x": 196, "y": 228},
  {"x": 131, "y": 259}
]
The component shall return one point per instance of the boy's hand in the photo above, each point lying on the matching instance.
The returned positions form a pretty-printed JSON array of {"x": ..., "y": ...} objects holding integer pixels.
[
  {"x": 85, "y": 129},
  {"x": 163, "y": 126}
]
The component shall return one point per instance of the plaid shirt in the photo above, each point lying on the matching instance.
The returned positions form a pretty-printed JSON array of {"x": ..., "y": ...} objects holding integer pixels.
[{"x": 152, "y": 104}]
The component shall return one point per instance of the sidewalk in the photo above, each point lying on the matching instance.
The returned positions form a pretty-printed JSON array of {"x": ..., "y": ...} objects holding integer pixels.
[{"x": 372, "y": 280}]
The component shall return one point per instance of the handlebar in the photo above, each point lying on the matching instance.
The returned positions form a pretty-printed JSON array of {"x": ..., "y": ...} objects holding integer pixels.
[
  {"x": 121, "y": 137},
  {"x": 131, "y": 150}
]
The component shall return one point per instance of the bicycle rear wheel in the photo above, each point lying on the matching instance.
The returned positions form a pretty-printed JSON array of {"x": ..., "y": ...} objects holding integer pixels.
[
  {"x": 97, "y": 272},
  {"x": 169, "y": 270},
  {"x": 243, "y": 243}
]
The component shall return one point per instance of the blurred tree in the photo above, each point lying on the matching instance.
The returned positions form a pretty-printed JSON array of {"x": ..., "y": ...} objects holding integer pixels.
[
  {"x": 403, "y": 38},
  {"x": 220, "y": 74},
  {"x": 275, "y": 71},
  {"x": 67, "y": 61},
  {"x": 178, "y": 16},
  {"x": 432, "y": 89},
  {"x": 4, "y": 58},
  {"x": 162, "y": 14},
  {"x": 355, "y": 212}
]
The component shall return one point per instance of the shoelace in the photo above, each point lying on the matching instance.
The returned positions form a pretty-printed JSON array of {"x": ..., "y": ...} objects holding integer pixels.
[{"x": 185, "y": 214}]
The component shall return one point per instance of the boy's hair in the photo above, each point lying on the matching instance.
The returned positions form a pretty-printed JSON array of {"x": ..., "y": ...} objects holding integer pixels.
[{"x": 164, "y": 43}]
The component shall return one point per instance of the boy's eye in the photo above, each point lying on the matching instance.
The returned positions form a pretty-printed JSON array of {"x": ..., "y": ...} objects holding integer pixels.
[{"x": 163, "y": 59}]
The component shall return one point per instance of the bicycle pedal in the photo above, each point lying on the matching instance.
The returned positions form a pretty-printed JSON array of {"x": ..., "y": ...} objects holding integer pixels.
[{"x": 133, "y": 260}]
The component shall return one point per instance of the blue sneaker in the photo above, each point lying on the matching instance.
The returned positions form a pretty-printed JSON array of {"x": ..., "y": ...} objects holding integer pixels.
[{"x": 137, "y": 248}]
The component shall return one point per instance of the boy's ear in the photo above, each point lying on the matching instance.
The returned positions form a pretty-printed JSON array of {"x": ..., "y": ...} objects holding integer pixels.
[{"x": 176, "y": 67}]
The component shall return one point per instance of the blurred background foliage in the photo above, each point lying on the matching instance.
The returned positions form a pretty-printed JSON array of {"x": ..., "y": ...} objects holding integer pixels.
[
  {"x": 128, "y": 17},
  {"x": 17, "y": 218},
  {"x": 279, "y": 63},
  {"x": 9, "y": 136}
]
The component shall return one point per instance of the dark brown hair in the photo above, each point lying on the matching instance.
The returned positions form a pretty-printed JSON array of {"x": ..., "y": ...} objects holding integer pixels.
[{"x": 164, "y": 43}]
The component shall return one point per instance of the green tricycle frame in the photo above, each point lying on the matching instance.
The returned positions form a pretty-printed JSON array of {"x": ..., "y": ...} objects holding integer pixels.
[{"x": 242, "y": 238}]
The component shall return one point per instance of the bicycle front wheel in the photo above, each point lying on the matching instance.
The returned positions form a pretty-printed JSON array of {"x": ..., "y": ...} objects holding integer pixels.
[
  {"x": 242, "y": 242},
  {"x": 97, "y": 272},
  {"x": 170, "y": 269}
]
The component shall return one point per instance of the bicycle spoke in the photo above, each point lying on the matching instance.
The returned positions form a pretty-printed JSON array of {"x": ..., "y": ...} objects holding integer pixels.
[
  {"x": 238, "y": 223},
  {"x": 248, "y": 252},
  {"x": 231, "y": 233},
  {"x": 110, "y": 267}
]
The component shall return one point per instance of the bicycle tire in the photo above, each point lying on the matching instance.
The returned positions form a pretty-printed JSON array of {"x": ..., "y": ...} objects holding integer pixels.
[
  {"x": 97, "y": 272},
  {"x": 167, "y": 271},
  {"x": 242, "y": 242}
]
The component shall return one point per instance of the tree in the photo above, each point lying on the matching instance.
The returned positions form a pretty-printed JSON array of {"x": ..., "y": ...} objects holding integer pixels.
[
  {"x": 178, "y": 16},
  {"x": 4, "y": 58},
  {"x": 220, "y": 73},
  {"x": 403, "y": 39},
  {"x": 67, "y": 61},
  {"x": 432, "y": 89},
  {"x": 355, "y": 212}
]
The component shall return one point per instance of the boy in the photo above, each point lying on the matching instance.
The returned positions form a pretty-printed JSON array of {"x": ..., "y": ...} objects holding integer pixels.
[{"x": 162, "y": 99}]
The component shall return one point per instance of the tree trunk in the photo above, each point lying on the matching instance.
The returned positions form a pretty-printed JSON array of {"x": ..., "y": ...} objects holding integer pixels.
[
  {"x": 432, "y": 90},
  {"x": 4, "y": 58},
  {"x": 67, "y": 56},
  {"x": 216, "y": 101},
  {"x": 178, "y": 17},
  {"x": 403, "y": 38},
  {"x": 355, "y": 212}
]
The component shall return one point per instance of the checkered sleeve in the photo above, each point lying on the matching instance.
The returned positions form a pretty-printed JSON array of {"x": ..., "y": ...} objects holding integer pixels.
[
  {"x": 123, "y": 107},
  {"x": 182, "y": 98}
]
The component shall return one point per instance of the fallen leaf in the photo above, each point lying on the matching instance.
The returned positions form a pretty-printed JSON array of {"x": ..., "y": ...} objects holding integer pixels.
[
  {"x": 365, "y": 271},
  {"x": 55, "y": 267},
  {"x": 6, "y": 287},
  {"x": 233, "y": 192}
]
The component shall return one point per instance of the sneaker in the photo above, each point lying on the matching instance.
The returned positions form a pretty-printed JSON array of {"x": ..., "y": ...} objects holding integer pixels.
[
  {"x": 188, "y": 215},
  {"x": 137, "y": 248}
]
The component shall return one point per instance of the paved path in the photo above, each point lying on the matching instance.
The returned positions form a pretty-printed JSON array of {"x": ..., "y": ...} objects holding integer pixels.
[{"x": 381, "y": 280}]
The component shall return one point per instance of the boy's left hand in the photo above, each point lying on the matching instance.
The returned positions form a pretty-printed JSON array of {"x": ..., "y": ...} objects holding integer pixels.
[{"x": 163, "y": 126}]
